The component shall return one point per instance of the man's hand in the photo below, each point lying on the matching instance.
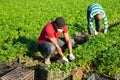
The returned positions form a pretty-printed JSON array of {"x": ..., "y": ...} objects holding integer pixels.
[
  {"x": 65, "y": 60},
  {"x": 96, "y": 33},
  {"x": 71, "y": 57}
]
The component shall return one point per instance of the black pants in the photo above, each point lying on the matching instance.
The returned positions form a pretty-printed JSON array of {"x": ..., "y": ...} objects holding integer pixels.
[{"x": 48, "y": 48}]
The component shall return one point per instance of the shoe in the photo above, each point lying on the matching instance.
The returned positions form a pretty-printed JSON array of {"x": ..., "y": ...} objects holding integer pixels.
[{"x": 47, "y": 61}]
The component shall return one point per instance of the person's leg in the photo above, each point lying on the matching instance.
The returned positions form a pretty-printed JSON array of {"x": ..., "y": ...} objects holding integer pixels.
[
  {"x": 62, "y": 43},
  {"x": 97, "y": 24},
  {"x": 47, "y": 49}
]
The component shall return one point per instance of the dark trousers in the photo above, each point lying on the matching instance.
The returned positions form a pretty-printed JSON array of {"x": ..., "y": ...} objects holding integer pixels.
[
  {"x": 48, "y": 48},
  {"x": 97, "y": 24}
]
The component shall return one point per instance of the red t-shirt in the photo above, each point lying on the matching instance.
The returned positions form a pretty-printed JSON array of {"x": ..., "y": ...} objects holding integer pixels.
[{"x": 50, "y": 32}]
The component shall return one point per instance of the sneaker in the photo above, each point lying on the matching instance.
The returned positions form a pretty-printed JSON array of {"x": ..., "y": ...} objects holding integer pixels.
[{"x": 47, "y": 61}]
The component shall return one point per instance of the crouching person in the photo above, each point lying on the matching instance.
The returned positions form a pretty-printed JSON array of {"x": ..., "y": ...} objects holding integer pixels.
[{"x": 49, "y": 40}]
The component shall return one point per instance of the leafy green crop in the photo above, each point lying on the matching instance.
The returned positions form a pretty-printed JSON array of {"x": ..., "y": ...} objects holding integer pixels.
[{"x": 22, "y": 20}]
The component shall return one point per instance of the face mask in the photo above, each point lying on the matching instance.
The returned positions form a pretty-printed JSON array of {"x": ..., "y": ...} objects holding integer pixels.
[{"x": 60, "y": 30}]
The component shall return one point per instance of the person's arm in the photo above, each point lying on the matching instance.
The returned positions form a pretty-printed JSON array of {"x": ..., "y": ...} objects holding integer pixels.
[
  {"x": 54, "y": 41},
  {"x": 105, "y": 24},
  {"x": 67, "y": 38},
  {"x": 90, "y": 23}
]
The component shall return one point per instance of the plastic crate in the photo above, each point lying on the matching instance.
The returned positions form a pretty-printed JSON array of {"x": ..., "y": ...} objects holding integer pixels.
[
  {"x": 53, "y": 75},
  {"x": 19, "y": 74}
]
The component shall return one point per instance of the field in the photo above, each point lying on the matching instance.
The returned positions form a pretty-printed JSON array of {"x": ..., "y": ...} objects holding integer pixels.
[{"x": 22, "y": 20}]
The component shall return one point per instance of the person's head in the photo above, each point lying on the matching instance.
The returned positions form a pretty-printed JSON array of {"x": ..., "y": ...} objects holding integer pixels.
[
  {"x": 59, "y": 22},
  {"x": 98, "y": 17}
]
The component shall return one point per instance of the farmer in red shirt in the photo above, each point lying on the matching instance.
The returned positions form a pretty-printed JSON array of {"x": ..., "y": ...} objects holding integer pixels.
[{"x": 49, "y": 40}]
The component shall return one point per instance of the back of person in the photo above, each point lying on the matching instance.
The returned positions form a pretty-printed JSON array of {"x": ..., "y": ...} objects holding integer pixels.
[
  {"x": 48, "y": 32},
  {"x": 95, "y": 11}
]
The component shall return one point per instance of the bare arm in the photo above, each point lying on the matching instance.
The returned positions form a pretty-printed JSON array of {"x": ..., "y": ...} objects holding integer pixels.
[
  {"x": 67, "y": 38},
  {"x": 59, "y": 50}
]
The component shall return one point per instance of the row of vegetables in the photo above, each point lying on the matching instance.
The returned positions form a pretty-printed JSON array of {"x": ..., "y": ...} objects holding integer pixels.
[
  {"x": 22, "y": 21},
  {"x": 101, "y": 51}
]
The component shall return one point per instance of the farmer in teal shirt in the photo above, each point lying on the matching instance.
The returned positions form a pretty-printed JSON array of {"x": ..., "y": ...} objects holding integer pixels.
[{"x": 96, "y": 12}]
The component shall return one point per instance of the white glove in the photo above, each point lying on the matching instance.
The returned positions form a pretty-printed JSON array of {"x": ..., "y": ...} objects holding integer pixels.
[
  {"x": 105, "y": 31},
  {"x": 71, "y": 57},
  {"x": 65, "y": 60},
  {"x": 96, "y": 33}
]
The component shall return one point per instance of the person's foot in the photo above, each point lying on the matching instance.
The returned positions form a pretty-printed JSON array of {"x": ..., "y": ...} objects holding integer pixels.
[{"x": 47, "y": 61}]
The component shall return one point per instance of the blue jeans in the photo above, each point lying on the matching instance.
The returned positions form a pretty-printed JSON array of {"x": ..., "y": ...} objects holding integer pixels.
[
  {"x": 97, "y": 24},
  {"x": 48, "y": 48}
]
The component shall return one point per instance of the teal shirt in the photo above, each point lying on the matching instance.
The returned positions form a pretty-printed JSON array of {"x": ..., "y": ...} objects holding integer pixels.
[{"x": 95, "y": 9}]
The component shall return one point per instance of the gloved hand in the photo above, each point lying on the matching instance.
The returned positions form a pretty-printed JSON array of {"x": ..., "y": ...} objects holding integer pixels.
[
  {"x": 65, "y": 60},
  {"x": 105, "y": 31},
  {"x": 96, "y": 33},
  {"x": 71, "y": 57}
]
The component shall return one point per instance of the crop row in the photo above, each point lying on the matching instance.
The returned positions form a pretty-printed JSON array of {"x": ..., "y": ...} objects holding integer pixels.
[
  {"x": 103, "y": 51},
  {"x": 22, "y": 21}
]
